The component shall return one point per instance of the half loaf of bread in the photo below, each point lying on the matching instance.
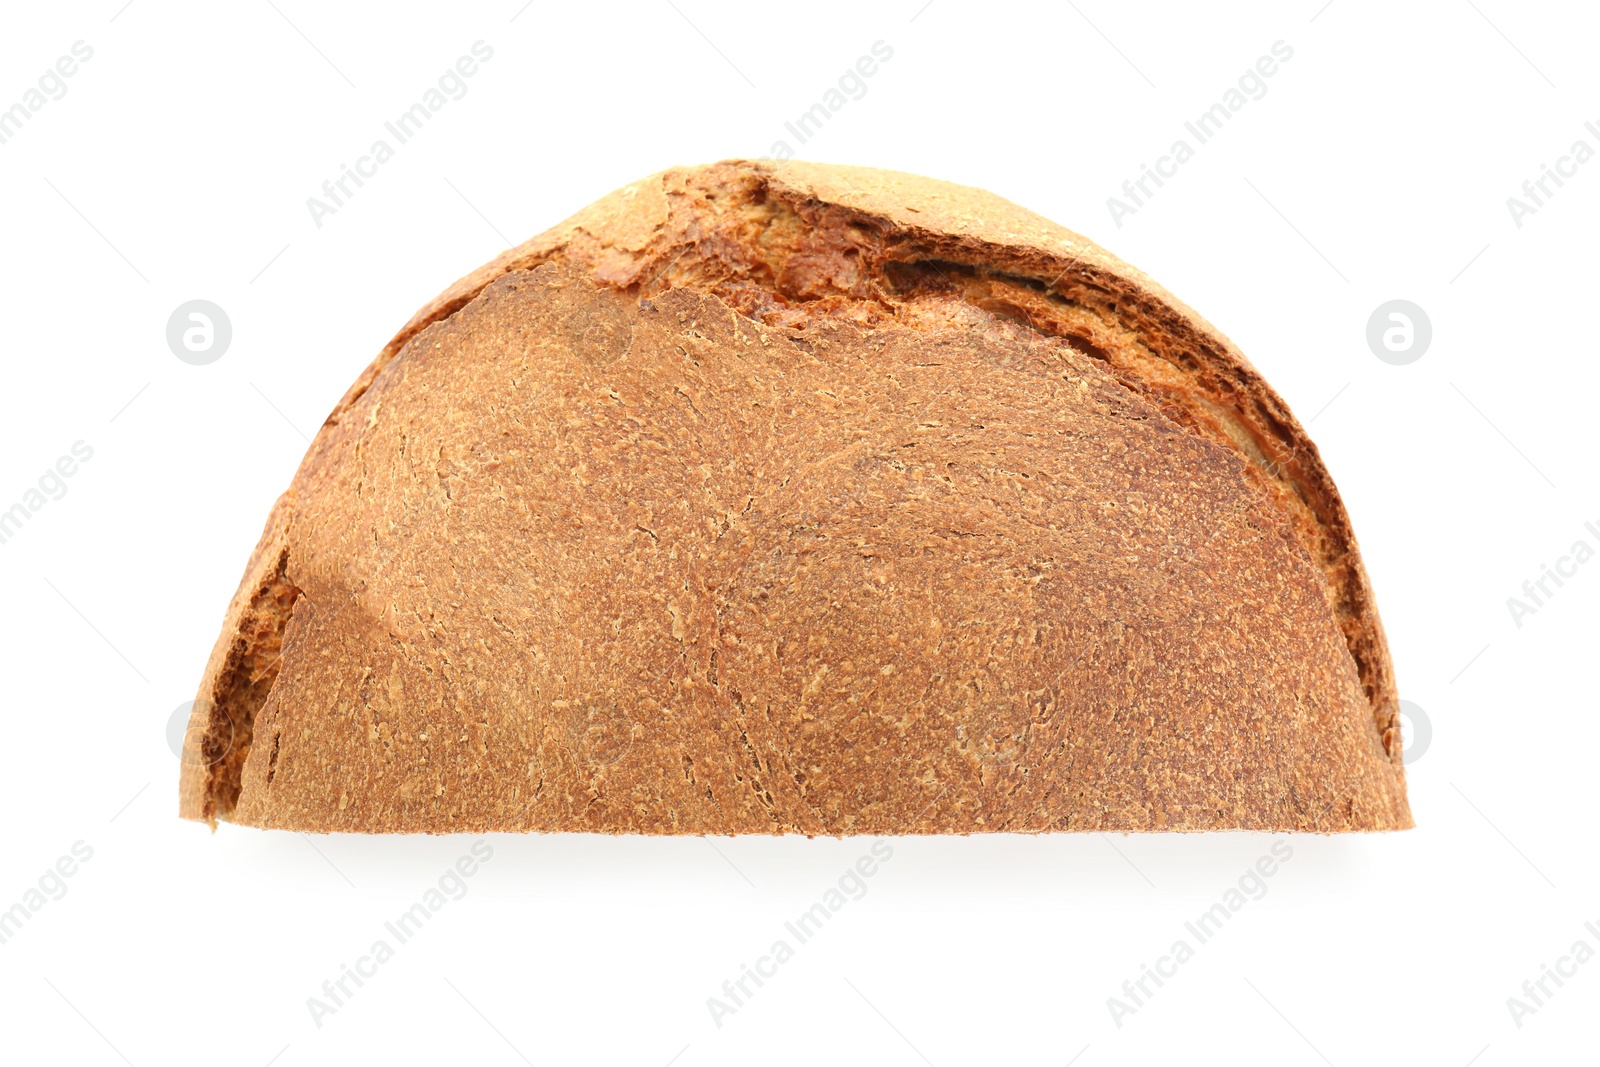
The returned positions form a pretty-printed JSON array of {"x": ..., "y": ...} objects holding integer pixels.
[{"x": 789, "y": 498}]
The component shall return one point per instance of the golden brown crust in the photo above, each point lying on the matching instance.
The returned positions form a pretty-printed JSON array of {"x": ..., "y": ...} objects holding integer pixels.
[{"x": 793, "y": 498}]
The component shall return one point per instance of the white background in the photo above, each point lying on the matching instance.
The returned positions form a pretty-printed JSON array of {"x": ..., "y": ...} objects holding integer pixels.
[{"x": 1377, "y": 166}]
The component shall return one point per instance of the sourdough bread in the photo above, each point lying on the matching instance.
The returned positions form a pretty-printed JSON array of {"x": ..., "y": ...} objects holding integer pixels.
[{"x": 790, "y": 498}]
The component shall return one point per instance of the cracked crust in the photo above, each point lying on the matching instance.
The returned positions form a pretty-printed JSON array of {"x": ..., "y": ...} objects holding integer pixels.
[{"x": 792, "y": 498}]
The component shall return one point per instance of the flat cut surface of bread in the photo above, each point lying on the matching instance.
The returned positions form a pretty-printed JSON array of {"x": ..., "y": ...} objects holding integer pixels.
[{"x": 787, "y": 498}]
